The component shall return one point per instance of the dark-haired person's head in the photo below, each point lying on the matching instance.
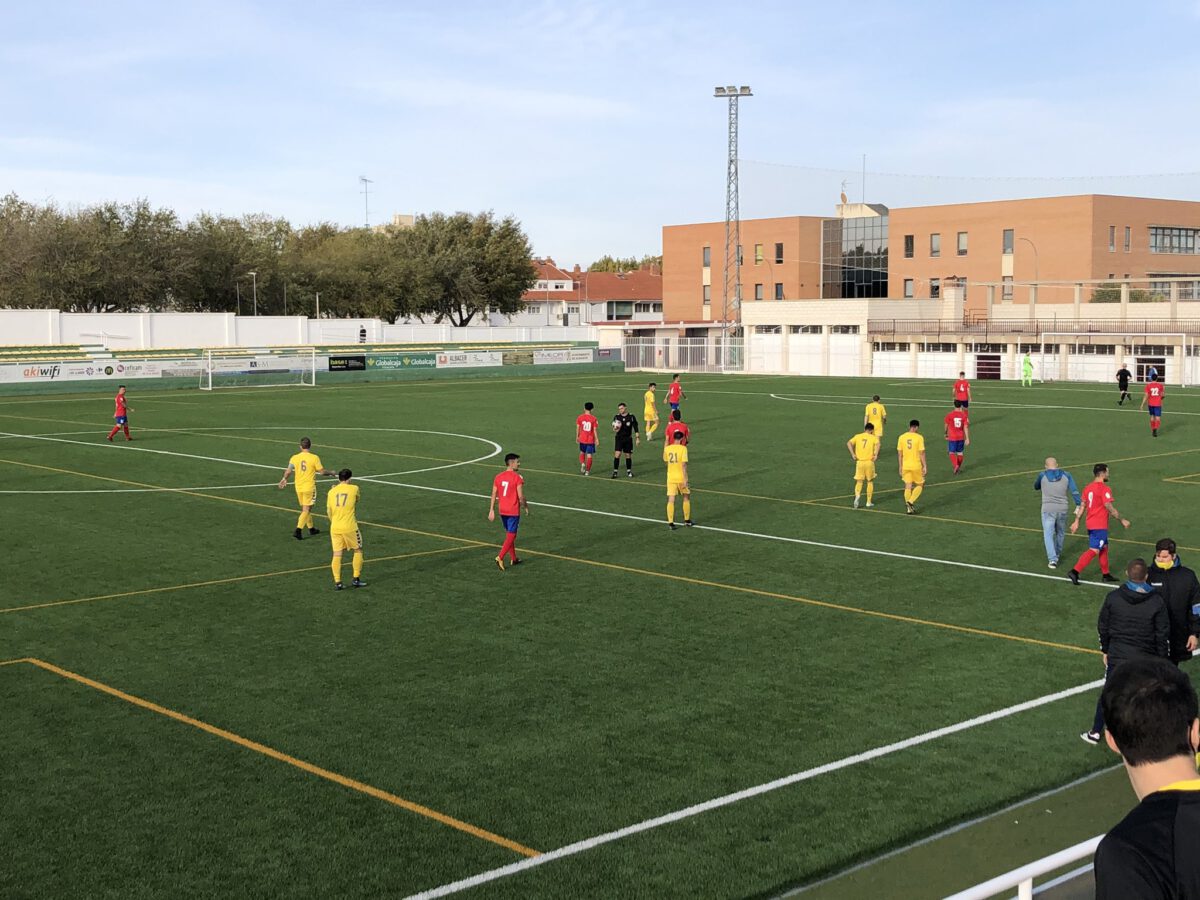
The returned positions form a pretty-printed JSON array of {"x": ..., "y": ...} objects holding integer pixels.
[
  {"x": 676, "y": 416},
  {"x": 510, "y": 458},
  {"x": 1137, "y": 570},
  {"x": 621, "y": 408},
  {"x": 869, "y": 428},
  {"x": 678, "y": 437},
  {"x": 1150, "y": 712},
  {"x": 958, "y": 404},
  {"x": 1164, "y": 553},
  {"x": 913, "y": 423},
  {"x": 589, "y": 406},
  {"x": 345, "y": 475},
  {"x": 675, "y": 377},
  {"x": 1100, "y": 469},
  {"x": 653, "y": 384},
  {"x": 875, "y": 398},
  {"x": 305, "y": 443}
]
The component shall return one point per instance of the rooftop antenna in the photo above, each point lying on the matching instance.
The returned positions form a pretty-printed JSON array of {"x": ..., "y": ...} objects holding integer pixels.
[{"x": 366, "y": 192}]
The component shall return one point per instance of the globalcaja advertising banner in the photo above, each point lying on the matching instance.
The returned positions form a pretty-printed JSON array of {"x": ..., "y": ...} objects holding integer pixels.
[
  {"x": 470, "y": 359},
  {"x": 402, "y": 361}
]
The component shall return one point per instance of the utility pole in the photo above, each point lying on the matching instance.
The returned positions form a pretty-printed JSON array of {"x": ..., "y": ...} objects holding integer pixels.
[
  {"x": 366, "y": 192},
  {"x": 731, "y": 302}
]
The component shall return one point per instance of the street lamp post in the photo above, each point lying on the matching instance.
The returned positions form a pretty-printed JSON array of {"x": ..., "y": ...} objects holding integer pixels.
[
  {"x": 1035, "y": 257},
  {"x": 238, "y": 287},
  {"x": 254, "y": 276}
]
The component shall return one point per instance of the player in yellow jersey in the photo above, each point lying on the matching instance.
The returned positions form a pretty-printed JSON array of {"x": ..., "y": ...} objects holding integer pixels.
[
  {"x": 650, "y": 411},
  {"x": 307, "y": 466},
  {"x": 910, "y": 452},
  {"x": 676, "y": 457},
  {"x": 864, "y": 450},
  {"x": 340, "y": 505},
  {"x": 875, "y": 414}
]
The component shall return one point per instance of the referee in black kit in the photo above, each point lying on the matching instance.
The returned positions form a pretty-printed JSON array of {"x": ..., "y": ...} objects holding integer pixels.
[{"x": 626, "y": 434}]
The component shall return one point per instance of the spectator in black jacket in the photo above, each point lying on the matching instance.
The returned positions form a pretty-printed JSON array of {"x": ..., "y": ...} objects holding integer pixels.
[
  {"x": 1181, "y": 591},
  {"x": 1151, "y": 710},
  {"x": 1133, "y": 623}
]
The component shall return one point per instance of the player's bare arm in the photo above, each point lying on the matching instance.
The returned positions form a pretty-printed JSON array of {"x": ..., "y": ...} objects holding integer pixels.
[
  {"x": 521, "y": 499},
  {"x": 286, "y": 473},
  {"x": 492, "y": 506},
  {"x": 685, "y": 476},
  {"x": 1112, "y": 511},
  {"x": 924, "y": 469},
  {"x": 900, "y": 461},
  {"x": 966, "y": 435},
  {"x": 850, "y": 447}
]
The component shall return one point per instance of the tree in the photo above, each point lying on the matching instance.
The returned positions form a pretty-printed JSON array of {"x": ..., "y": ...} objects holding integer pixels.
[
  {"x": 625, "y": 264},
  {"x": 456, "y": 267},
  {"x": 1111, "y": 293}
]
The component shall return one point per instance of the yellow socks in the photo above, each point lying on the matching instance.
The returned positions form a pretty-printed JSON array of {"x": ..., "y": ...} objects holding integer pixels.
[
  {"x": 858, "y": 489},
  {"x": 304, "y": 517},
  {"x": 907, "y": 495},
  {"x": 357, "y": 564},
  {"x": 687, "y": 509},
  {"x": 671, "y": 511},
  {"x": 870, "y": 490},
  {"x": 309, "y": 522},
  {"x": 337, "y": 569},
  {"x": 916, "y": 492}
]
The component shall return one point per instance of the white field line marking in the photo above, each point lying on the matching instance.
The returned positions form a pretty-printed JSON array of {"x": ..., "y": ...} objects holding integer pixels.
[
  {"x": 747, "y": 793},
  {"x": 14, "y": 434},
  {"x": 496, "y": 448},
  {"x": 947, "y": 832},
  {"x": 379, "y": 479}
]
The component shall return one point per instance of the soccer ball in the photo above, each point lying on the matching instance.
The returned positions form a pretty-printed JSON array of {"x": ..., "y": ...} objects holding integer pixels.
[{"x": 616, "y": 426}]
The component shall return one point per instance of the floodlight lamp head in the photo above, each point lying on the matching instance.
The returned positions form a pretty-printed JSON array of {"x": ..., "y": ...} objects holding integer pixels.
[
  {"x": 719, "y": 92},
  {"x": 731, "y": 89},
  {"x": 745, "y": 90}
]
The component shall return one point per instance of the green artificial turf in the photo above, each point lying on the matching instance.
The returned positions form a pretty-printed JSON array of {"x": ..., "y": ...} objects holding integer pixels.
[{"x": 623, "y": 672}]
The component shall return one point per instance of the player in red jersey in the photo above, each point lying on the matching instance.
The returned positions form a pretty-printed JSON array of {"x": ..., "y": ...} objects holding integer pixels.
[
  {"x": 1153, "y": 396},
  {"x": 121, "y": 414},
  {"x": 1098, "y": 501},
  {"x": 585, "y": 434},
  {"x": 509, "y": 488},
  {"x": 958, "y": 435},
  {"x": 677, "y": 426},
  {"x": 675, "y": 394},
  {"x": 962, "y": 390}
]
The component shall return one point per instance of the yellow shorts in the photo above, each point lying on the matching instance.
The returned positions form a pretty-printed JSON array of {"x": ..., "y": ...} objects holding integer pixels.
[
  {"x": 912, "y": 476},
  {"x": 878, "y": 432},
  {"x": 864, "y": 470},
  {"x": 649, "y": 414},
  {"x": 677, "y": 487},
  {"x": 346, "y": 540},
  {"x": 307, "y": 497}
]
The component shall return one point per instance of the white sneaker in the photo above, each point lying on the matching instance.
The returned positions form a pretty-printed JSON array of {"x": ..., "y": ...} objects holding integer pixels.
[
  {"x": 870, "y": 506},
  {"x": 1053, "y": 564},
  {"x": 1091, "y": 737},
  {"x": 856, "y": 503}
]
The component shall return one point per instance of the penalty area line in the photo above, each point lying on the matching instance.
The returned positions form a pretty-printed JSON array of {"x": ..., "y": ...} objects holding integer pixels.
[{"x": 736, "y": 797}]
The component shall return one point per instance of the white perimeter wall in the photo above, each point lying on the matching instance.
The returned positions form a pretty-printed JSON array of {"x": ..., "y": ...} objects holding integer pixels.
[{"x": 143, "y": 331}]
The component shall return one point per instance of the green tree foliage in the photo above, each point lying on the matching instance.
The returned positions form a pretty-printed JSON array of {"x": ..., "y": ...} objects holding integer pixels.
[
  {"x": 1111, "y": 293},
  {"x": 624, "y": 264},
  {"x": 131, "y": 257}
]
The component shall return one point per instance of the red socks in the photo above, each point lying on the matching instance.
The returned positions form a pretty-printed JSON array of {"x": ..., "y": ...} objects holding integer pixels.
[
  {"x": 1085, "y": 560},
  {"x": 510, "y": 546},
  {"x": 112, "y": 433},
  {"x": 1104, "y": 559}
]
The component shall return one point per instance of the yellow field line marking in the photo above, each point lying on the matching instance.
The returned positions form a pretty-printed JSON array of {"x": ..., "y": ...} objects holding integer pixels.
[
  {"x": 646, "y": 572},
  {"x": 825, "y": 604},
  {"x": 1007, "y": 475},
  {"x": 232, "y": 580},
  {"x": 13, "y": 662},
  {"x": 352, "y": 784}
]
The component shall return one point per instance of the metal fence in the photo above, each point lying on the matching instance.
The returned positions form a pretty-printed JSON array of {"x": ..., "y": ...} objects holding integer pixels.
[
  {"x": 685, "y": 354},
  {"x": 1002, "y": 328}
]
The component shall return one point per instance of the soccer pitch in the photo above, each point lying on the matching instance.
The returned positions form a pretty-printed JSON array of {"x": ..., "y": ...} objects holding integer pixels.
[{"x": 735, "y": 709}]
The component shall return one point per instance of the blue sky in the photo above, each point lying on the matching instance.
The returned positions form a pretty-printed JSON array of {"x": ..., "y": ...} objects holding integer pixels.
[{"x": 592, "y": 123}]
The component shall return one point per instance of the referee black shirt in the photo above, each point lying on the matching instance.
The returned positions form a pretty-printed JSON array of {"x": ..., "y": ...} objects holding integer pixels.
[{"x": 1155, "y": 850}]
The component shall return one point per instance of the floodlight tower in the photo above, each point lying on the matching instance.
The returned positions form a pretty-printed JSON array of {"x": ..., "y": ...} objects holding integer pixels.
[
  {"x": 366, "y": 192},
  {"x": 731, "y": 303}
]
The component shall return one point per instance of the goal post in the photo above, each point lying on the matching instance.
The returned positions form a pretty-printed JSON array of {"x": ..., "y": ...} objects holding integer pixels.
[
  {"x": 258, "y": 368},
  {"x": 1173, "y": 354}
]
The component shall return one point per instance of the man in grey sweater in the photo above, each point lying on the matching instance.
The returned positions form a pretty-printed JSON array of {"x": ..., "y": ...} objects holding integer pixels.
[{"x": 1057, "y": 488}]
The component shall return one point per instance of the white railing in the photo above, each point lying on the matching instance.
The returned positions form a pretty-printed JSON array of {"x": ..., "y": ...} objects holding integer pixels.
[
  {"x": 1022, "y": 878},
  {"x": 689, "y": 354}
]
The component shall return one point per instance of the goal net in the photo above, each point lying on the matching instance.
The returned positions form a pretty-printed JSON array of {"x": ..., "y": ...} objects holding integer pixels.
[
  {"x": 1097, "y": 355},
  {"x": 258, "y": 368}
]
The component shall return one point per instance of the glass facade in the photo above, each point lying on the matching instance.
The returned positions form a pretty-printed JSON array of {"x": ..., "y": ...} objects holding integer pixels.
[
  {"x": 1173, "y": 240},
  {"x": 854, "y": 257}
]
